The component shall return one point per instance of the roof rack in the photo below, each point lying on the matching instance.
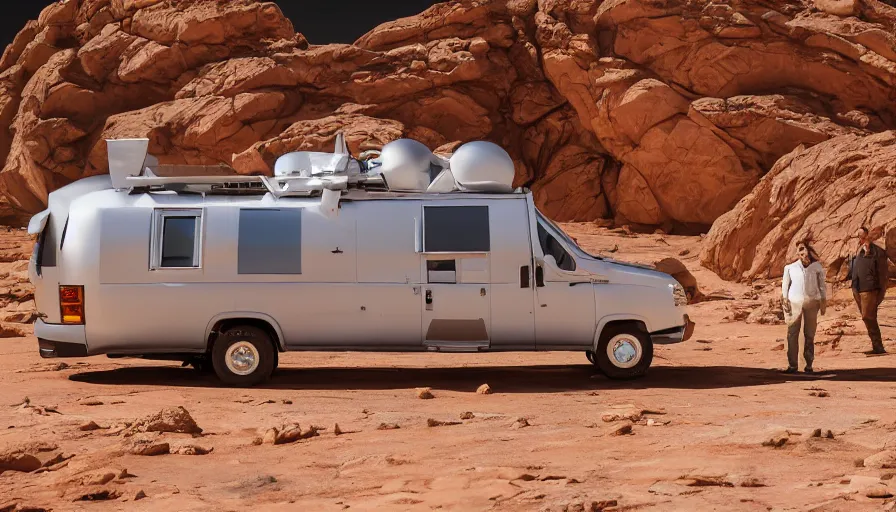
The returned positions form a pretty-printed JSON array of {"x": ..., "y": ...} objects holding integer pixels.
[
  {"x": 131, "y": 167},
  {"x": 404, "y": 165}
]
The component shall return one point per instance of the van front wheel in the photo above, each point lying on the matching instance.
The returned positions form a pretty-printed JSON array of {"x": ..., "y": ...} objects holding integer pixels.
[
  {"x": 243, "y": 356},
  {"x": 624, "y": 352}
]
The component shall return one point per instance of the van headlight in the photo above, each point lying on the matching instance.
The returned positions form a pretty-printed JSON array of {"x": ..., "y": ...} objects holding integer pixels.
[{"x": 678, "y": 293}]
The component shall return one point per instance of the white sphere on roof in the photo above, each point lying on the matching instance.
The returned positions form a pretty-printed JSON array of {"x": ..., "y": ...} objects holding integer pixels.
[
  {"x": 406, "y": 165},
  {"x": 482, "y": 166}
]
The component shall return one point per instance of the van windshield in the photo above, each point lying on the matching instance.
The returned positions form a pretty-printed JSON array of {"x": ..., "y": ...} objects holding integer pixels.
[{"x": 562, "y": 234}]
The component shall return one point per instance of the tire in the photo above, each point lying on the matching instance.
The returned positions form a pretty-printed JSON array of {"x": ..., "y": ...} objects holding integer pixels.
[
  {"x": 590, "y": 355},
  {"x": 243, "y": 356},
  {"x": 629, "y": 342}
]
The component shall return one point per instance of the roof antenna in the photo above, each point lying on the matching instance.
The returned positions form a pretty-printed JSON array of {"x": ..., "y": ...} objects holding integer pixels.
[{"x": 341, "y": 146}]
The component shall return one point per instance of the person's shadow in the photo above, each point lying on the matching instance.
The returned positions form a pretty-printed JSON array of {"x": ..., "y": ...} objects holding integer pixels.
[{"x": 502, "y": 379}]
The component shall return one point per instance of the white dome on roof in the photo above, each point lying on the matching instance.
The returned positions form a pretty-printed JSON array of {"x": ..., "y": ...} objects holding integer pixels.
[
  {"x": 482, "y": 166},
  {"x": 406, "y": 165}
]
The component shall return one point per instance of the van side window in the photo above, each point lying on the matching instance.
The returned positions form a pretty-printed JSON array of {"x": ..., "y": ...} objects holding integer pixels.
[
  {"x": 455, "y": 229},
  {"x": 177, "y": 236},
  {"x": 270, "y": 241},
  {"x": 550, "y": 245}
]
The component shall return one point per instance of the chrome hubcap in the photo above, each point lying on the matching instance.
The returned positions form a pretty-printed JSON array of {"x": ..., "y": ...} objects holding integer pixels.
[
  {"x": 242, "y": 358},
  {"x": 624, "y": 351}
]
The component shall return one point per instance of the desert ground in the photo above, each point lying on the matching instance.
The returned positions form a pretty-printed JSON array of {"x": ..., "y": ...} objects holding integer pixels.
[{"x": 714, "y": 426}]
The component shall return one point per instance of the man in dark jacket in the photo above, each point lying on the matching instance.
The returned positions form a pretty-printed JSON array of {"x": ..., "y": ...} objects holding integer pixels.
[{"x": 869, "y": 285}]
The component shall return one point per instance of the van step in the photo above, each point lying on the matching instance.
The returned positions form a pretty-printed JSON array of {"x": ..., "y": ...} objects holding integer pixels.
[{"x": 456, "y": 346}]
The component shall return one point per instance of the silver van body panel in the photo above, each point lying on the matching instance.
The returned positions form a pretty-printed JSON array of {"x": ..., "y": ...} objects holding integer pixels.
[{"x": 364, "y": 281}]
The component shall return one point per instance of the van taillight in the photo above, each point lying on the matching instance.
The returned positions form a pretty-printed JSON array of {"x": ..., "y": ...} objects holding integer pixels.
[{"x": 71, "y": 304}]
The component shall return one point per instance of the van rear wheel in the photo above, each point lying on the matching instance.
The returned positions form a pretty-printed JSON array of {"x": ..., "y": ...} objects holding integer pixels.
[
  {"x": 624, "y": 352},
  {"x": 243, "y": 356}
]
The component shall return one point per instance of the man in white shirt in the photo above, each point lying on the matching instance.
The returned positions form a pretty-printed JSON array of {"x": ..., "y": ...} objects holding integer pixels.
[{"x": 804, "y": 297}]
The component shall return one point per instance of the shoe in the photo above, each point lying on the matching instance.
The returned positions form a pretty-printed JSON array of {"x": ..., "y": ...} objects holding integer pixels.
[
  {"x": 790, "y": 369},
  {"x": 809, "y": 370}
]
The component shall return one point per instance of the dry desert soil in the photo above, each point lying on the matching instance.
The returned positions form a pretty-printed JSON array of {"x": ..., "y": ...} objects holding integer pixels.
[{"x": 714, "y": 426}]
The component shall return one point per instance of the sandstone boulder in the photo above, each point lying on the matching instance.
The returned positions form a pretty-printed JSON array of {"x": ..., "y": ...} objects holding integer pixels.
[{"x": 824, "y": 193}]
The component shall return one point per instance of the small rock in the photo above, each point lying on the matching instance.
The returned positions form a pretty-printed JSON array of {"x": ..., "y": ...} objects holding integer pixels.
[
  {"x": 89, "y": 426},
  {"x": 148, "y": 448},
  {"x": 124, "y": 475},
  {"x": 623, "y": 430},
  {"x": 820, "y": 394},
  {"x": 287, "y": 402},
  {"x": 293, "y": 432},
  {"x": 140, "y": 495},
  {"x": 100, "y": 478},
  {"x": 424, "y": 393},
  {"x": 828, "y": 434},
  {"x": 628, "y": 415},
  {"x": 388, "y": 426},
  {"x": 437, "y": 423},
  {"x": 484, "y": 389},
  {"x": 685, "y": 252},
  {"x": 19, "y": 461},
  {"x": 520, "y": 423},
  {"x": 752, "y": 482},
  {"x": 777, "y": 440},
  {"x": 878, "y": 491},
  {"x": 61, "y": 366},
  {"x": 467, "y": 415},
  {"x": 91, "y": 403},
  {"x": 336, "y": 430},
  {"x": 816, "y": 432},
  {"x": 191, "y": 449},
  {"x": 881, "y": 460},
  {"x": 171, "y": 419},
  {"x": 288, "y": 434},
  {"x": 706, "y": 481},
  {"x": 778, "y": 347},
  {"x": 270, "y": 436}
]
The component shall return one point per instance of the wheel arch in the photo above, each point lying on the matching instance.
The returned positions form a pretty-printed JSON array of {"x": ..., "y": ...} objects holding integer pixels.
[
  {"x": 612, "y": 320},
  {"x": 223, "y": 321}
]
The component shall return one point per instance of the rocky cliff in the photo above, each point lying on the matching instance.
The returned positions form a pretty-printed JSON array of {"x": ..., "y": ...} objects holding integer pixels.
[{"x": 659, "y": 113}]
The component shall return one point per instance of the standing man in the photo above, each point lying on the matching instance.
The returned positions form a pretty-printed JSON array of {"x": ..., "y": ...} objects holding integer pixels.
[{"x": 869, "y": 285}]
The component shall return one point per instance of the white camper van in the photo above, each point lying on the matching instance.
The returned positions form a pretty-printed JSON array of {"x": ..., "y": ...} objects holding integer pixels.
[{"x": 404, "y": 252}]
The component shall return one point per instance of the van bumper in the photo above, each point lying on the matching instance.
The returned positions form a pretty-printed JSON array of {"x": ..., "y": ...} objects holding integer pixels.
[
  {"x": 675, "y": 334},
  {"x": 56, "y": 340}
]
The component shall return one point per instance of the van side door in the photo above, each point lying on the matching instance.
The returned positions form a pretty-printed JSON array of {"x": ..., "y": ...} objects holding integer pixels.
[
  {"x": 455, "y": 242},
  {"x": 512, "y": 276}
]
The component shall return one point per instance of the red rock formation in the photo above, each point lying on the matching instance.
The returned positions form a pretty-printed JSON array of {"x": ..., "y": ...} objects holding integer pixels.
[
  {"x": 651, "y": 113},
  {"x": 824, "y": 193}
]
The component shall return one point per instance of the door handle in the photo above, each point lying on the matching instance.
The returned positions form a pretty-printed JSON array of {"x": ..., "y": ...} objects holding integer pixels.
[
  {"x": 428, "y": 297},
  {"x": 524, "y": 277},
  {"x": 539, "y": 276}
]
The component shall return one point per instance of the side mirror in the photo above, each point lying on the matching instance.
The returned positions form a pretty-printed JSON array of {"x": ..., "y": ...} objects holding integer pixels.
[{"x": 550, "y": 261}]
